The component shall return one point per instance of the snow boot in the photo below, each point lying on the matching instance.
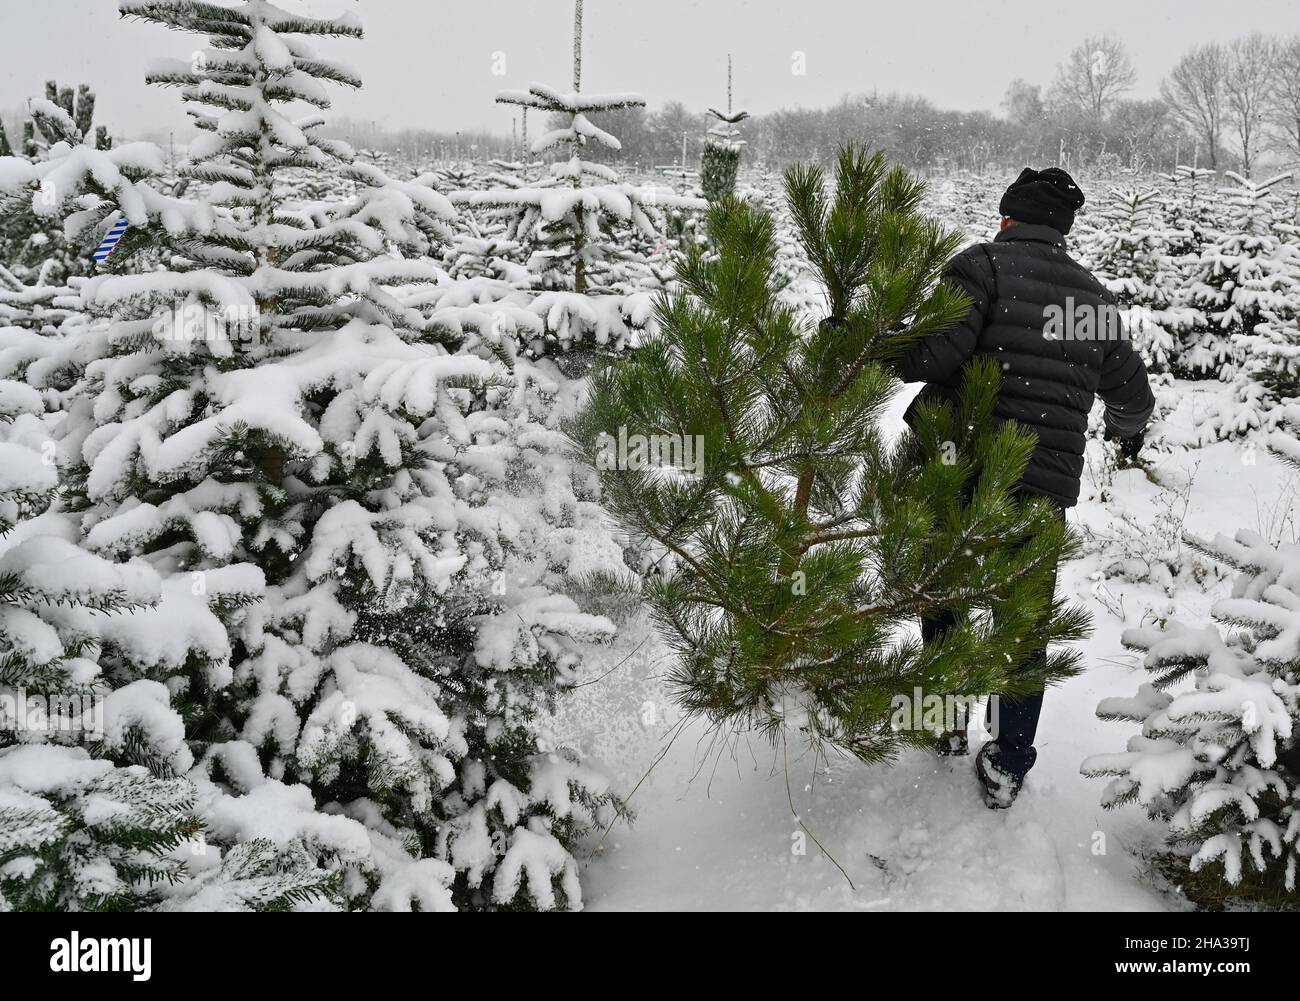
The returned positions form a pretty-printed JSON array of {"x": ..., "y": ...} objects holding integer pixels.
[
  {"x": 1000, "y": 788},
  {"x": 953, "y": 744}
]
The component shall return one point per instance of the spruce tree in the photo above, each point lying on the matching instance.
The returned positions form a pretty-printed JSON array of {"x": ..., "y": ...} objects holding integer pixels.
[{"x": 795, "y": 539}]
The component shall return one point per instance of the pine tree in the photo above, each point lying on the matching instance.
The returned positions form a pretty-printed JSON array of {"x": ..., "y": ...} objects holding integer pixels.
[
  {"x": 720, "y": 159},
  {"x": 796, "y": 541},
  {"x": 1218, "y": 761}
]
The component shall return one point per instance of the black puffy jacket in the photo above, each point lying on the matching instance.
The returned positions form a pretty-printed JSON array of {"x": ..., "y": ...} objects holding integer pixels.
[{"x": 1048, "y": 383}]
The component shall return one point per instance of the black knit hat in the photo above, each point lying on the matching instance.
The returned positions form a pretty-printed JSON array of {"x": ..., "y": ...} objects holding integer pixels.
[{"x": 1043, "y": 197}]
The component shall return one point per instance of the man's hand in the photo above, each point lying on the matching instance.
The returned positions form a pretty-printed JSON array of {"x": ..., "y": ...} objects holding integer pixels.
[{"x": 1128, "y": 447}]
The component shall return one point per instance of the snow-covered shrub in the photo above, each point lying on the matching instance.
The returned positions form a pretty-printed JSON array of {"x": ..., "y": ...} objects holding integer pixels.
[{"x": 1143, "y": 545}]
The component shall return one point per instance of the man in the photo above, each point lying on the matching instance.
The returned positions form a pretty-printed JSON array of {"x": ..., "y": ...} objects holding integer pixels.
[{"x": 1029, "y": 300}]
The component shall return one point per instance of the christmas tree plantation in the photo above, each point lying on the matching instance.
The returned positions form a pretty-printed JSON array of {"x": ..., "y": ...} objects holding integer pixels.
[{"x": 796, "y": 539}]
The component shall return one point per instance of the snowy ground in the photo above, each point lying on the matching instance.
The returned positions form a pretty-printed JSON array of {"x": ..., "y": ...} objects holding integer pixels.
[{"x": 715, "y": 829}]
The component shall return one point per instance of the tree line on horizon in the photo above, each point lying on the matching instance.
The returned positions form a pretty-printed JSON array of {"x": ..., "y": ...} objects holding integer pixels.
[{"x": 1224, "y": 105}]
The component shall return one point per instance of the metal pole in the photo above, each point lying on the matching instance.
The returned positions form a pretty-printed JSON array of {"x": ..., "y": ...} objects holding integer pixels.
[{"x": 577, "y": 45}]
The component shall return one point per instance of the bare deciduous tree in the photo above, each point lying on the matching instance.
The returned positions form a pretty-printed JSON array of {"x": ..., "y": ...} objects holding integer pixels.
[
  {"x": 1146, "y": 128},
  {"x": 1248, "y": 88},
  {"x": 1093, "y": 77},
  {"x": 1023, "y": 102},
  {"x": 1194, "y": 91},
  {"x": 1284, "y": 103}
]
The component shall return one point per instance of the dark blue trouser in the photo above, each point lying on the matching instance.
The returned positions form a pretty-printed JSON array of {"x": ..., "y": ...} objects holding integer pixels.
[{"x": 1016, "y": 722}]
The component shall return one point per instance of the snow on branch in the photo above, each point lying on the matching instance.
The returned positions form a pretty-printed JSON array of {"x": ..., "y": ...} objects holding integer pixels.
[{"x": 547, "y": 98}]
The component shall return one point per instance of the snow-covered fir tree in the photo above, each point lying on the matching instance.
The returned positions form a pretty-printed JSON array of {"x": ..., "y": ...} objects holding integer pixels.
[
  {"x": 32, "y": 239},
  {"x": 1217, "y": 760},
  {"x": 52, "y": 855},
  {"x": 481, "y": 247},
  {"x": 95, "y": 811},
  {"x": 720, "y": 159},
  {"x": 1272, "y": 348},
  {"x": 587, "y": 236},
  {"x": 361, "y": 637},
  {"x": 1243, "y": 280},
  {"x": 968, "y": 203},
  {"x": 1190, "y": 197},
  {"x": 41, "y": 307},
  {"x": 799, "y": 286},
  {"x": 1127, "y": 246}
]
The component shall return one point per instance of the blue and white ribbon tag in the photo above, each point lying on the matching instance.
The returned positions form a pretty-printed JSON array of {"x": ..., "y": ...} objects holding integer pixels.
[{"x": 111, "y": 240}]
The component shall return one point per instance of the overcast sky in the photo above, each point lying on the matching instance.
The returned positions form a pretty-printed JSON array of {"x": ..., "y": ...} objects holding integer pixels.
[{"x": 430, "y": 63}]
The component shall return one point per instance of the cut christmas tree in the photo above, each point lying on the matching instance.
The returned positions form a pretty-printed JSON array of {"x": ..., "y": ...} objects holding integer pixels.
[{"x": 796, "y": 540}]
